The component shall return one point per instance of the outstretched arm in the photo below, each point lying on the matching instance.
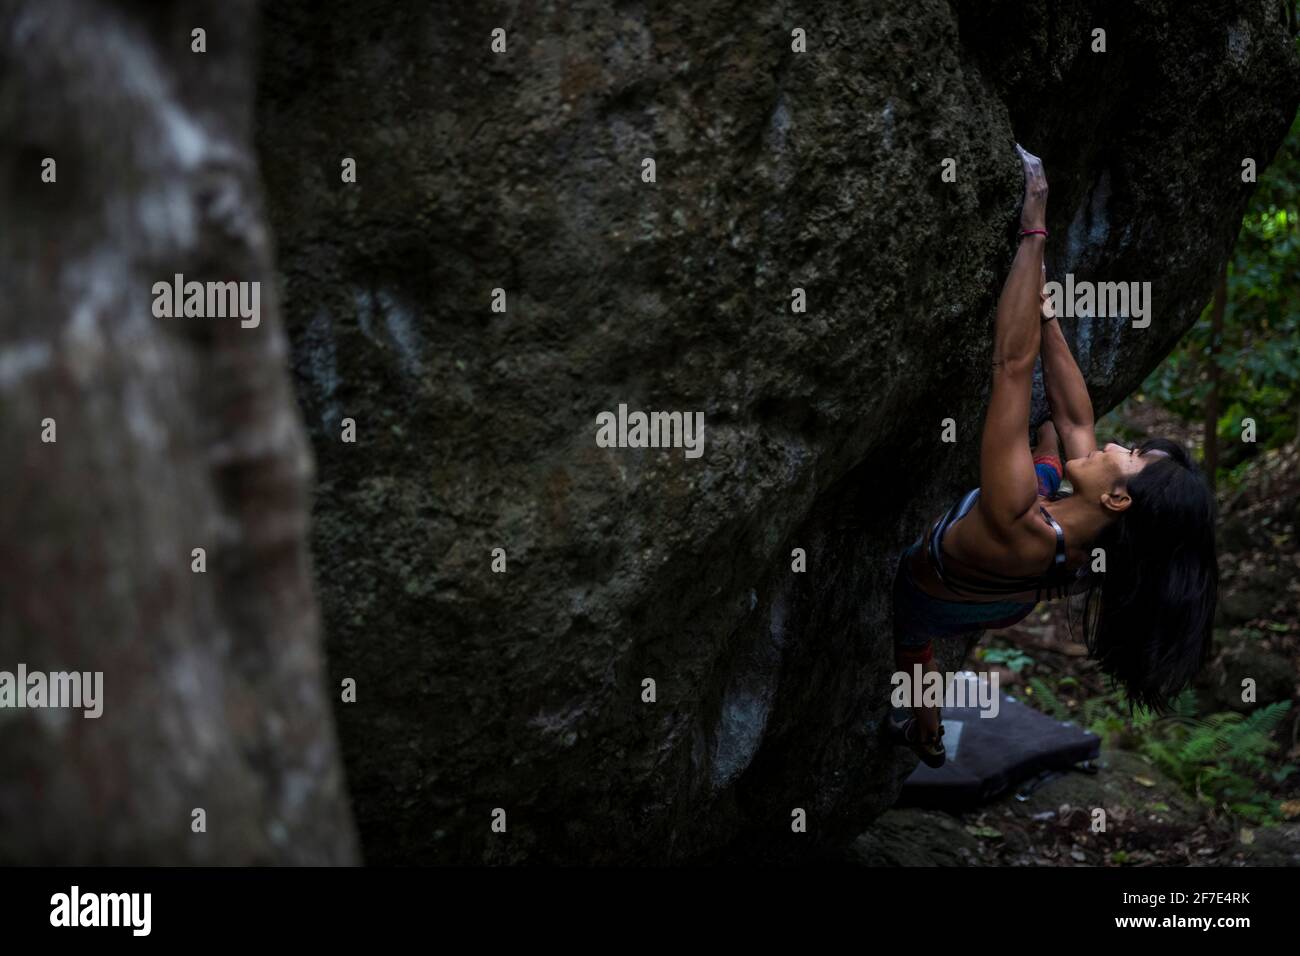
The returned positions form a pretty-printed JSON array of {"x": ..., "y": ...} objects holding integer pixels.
[
  {"x": 1067, "y": 392},
  {"x": 1007, "y": 485}
]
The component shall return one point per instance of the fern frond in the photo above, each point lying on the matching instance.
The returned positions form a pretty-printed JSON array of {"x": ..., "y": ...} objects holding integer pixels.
[{"x": 1049, "y": 702}]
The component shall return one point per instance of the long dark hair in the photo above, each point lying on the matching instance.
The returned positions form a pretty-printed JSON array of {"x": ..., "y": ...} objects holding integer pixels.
[{"x": 1149, "y": 617}]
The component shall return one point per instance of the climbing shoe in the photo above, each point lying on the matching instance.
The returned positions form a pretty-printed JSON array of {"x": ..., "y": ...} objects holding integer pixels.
[{"x": 906, "y": 733}]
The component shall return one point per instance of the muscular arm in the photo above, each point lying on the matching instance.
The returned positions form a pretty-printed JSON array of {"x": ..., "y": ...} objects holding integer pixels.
[
  {"x": 1067, "y": 394},
  {"x": 1007, "y": 485}
]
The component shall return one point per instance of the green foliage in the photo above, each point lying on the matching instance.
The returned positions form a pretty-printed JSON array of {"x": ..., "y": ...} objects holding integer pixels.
[
  {"x": 1047, "y": 700},
  {"x": 1259, "y": 360},
  {"x": 1102, "y": 714},
  {"x": 1217, "y": 759},
  {"x": 1011, "y": 657}
]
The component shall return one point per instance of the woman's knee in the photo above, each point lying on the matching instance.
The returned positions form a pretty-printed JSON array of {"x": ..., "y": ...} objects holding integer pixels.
[{"x": 908, "y": 655}]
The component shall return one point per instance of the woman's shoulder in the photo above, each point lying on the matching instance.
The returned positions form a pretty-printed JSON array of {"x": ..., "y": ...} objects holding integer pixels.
[{"x": 1026, "y": 535}]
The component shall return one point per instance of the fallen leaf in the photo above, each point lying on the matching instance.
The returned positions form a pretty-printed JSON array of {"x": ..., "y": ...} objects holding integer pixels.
[{"x": 1145, "y": 781}]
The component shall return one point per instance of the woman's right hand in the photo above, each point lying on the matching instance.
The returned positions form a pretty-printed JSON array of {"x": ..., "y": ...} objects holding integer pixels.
[{"x": 1033, "y": 212}]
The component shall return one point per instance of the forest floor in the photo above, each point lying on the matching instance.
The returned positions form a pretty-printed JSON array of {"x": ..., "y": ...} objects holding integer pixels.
[{"x": 1217, "y": 783}]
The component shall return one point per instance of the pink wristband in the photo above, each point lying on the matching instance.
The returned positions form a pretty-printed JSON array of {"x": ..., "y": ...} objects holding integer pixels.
[{"x": 1034, "y": 232}]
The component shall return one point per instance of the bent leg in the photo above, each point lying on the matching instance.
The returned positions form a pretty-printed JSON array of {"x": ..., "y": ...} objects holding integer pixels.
[{"x": 911, "y": 647}]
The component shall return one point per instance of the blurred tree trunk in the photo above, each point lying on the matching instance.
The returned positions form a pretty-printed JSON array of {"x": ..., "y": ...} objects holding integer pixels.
[
  {"x": 1212, "y": 397},
  {"x": 169, "y": 435}
]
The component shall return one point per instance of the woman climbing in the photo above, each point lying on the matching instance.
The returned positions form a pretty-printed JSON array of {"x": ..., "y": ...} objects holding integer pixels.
[{"x": 1013, "y": 541}]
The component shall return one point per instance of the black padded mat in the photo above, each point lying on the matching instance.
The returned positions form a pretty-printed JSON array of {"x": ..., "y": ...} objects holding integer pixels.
[{"x": 989, "y": 755}]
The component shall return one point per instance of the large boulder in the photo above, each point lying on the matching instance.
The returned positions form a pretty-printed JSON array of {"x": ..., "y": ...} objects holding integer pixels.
[
  {"x": 128, "y": 441},
  {"x": 476, "y": 429}
]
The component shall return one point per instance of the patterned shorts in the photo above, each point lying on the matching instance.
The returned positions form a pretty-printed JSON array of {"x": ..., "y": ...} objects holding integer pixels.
[{"x": 919, "y": 617}]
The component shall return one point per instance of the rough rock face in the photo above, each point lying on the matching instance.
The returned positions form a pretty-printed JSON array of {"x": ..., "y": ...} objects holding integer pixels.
[
  {"x": 169, "y": 435},
  {"x": 476, "y": 429}
]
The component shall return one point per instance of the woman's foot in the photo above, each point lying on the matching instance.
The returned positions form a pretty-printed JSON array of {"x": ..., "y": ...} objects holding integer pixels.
[
  {"x": 1033, "y": 213},
  {"x": 908, "y": 734}
]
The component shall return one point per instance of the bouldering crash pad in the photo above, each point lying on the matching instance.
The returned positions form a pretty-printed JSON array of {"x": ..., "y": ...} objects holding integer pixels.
[{"x": 989, "y": 755}]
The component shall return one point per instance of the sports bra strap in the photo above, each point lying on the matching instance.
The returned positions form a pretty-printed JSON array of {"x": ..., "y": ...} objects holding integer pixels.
[
  {"x": 1060, "y": 537},
  {"x": 992, "y": 583}
]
